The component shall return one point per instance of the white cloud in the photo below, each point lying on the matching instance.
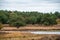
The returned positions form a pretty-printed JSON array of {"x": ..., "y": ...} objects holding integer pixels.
[{"x": 30, "y": 5}]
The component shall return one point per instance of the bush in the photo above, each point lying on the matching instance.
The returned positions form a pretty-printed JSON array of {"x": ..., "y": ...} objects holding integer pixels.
[
  {"x": 31, "y": 20},
  {"x": 48, "y": 19},
  {"x": 46, "y": 23},
  {"x": 18, "y": 24}
]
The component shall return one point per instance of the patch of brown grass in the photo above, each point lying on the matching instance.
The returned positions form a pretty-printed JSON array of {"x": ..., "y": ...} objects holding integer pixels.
[{"x": 25, "y": 36}]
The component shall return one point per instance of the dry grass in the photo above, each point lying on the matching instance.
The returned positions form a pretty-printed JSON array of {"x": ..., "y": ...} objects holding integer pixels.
[
  {"x": 19, "y": 36},
  {"x": 25, "y": 36},
  {"x": 33, "y": 27},
  {"x": 58, "y": 21}
]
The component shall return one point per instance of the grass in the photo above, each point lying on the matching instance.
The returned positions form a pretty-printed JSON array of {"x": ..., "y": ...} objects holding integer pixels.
[
  {"x": 25, "y": 36},
  {"x": 35, "y": 27},
  {"x": 28, "y": 36}
]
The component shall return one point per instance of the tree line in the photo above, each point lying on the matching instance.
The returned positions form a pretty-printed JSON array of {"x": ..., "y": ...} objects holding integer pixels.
[{"x": 17, "y": 18}]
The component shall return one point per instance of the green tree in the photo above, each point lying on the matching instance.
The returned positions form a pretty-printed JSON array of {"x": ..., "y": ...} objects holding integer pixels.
[
  {"x": 3, "y": 16},
  {"x": 57, "y": 14},
  {"x": 16, "y": 20},
  {"x": 31, "y": 20}
]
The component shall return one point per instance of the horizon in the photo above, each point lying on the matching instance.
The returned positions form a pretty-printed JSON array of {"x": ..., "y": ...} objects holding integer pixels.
[{"x": 30, "y": 5}]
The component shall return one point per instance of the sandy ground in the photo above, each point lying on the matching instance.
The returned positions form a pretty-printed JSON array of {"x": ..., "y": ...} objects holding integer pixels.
[
  {"x": 16, "y": 35},
  {"x": 33, "y": 27}
]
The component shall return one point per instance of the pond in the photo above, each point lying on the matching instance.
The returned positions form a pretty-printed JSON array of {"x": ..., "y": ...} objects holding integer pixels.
[
  {"x": 26, "y": 37},
  {"x": 37, "y": 32},
  {"x": 45, "y": 32}
]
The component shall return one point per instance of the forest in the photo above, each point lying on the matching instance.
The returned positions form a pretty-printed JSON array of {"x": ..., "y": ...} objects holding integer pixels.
[{"x": 18, "y": 18}]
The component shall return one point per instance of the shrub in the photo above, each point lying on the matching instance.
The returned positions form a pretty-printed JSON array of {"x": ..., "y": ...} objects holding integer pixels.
[
  {"x": 18, "y": 24},
  {"x": 46, "y": 23},
  {"x": 31, "y": 20}
]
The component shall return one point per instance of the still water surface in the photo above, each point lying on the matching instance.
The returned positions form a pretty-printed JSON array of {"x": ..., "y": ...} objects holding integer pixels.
[
  {"x": 45, "y": 32},
  {"x": 37, "y": 32}
]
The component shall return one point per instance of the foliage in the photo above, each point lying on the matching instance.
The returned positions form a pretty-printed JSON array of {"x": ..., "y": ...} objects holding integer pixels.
[
  {"x": 17, "y": 18},
  {"x": 31, "y": 20},
  {"x": 57, "y": 14}
]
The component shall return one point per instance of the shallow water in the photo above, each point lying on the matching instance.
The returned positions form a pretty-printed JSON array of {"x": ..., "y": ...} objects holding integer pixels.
[
  {"x": 37, "y": 32},
  {"x": 45, "y": 32},
  {"x": 33, "y": 32}
]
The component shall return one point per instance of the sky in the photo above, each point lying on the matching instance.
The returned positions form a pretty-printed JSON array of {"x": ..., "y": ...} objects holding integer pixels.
[{"x": 31, "y": 5}]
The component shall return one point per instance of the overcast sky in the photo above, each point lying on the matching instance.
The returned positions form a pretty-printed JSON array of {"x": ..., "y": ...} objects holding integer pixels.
[{"x": 31, "y": 5}]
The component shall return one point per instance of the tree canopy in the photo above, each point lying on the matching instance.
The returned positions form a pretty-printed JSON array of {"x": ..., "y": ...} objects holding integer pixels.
[{"x": 17, "y": 18}]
